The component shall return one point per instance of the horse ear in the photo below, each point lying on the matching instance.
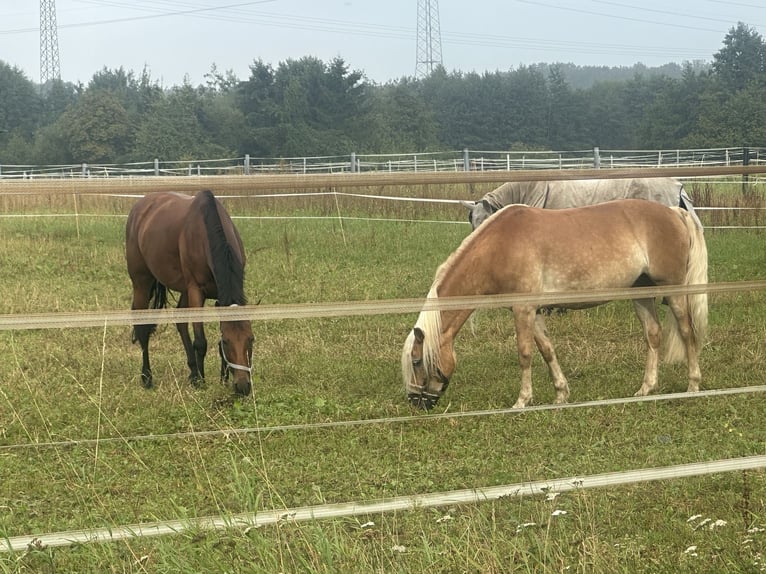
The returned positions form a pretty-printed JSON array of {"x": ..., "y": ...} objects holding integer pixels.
[
  {"x": 468, "y": 204},
  {"x": 419, "y": 334}
]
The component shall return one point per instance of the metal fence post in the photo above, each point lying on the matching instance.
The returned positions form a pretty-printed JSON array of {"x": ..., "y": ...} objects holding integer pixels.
[
  {"x": 156, "y": 166},
  {"x": 596, "y": 158},
  {"x": 466, "y": 161},
  {"x": 745, "y": 161},
  {"x": 247, "y": 164},
  {"x": 353, "y": 162}
]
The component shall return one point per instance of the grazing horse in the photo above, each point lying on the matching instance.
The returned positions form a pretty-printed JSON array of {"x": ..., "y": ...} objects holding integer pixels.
[
  {"x": 522, "y": 249},
  {"x": 579, "y": 193},
  {"x": 189, "y": 245}
]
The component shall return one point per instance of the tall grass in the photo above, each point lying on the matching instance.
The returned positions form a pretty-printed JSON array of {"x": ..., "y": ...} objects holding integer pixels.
[{"x": 62, "y": 385}]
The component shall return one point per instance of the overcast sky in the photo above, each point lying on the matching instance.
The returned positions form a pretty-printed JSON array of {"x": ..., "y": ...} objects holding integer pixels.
[{"x": 178, "y": 38}]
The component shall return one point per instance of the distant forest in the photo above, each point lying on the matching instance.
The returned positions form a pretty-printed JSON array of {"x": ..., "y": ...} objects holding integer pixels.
[{"x": 308, "y": 107}]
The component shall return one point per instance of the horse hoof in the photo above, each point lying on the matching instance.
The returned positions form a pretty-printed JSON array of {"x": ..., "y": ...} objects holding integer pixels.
[
  {"x": 196, "y": 381},
  {"x": 146, "y": 381}
]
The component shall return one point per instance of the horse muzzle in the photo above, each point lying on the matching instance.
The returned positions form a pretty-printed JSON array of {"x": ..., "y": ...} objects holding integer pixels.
[
  {"x": 243, "y": 386},
  {"x": 423, "y": 401}
]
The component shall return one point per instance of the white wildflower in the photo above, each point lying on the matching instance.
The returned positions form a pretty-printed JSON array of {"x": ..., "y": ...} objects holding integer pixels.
[
  {"x": 691, "y": 551},
  {"x": 717, "y": 524},
  {"x": 693, "y": 518},
  {"x": 399, "y": 548},
  {"x": 445, "y": 518},
  {"x": 558, "y": 513},
  {"x": 755, "y": 530},
  {"x": 521, "y": 527},
  {"x": 552, "y": 496},
  {"x": 369, "y": 524}
]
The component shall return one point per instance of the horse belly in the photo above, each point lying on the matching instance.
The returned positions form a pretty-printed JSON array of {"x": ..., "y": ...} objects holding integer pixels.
[{"x": 599, "y": 271}]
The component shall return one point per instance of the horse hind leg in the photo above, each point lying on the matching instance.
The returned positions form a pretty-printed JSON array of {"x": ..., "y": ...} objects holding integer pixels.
[
  {"x": 680, "y": 327},
  {"x": 647, "y": 314},
  {"x": 524, "y": 320},
  {"x": 546, "y": 349},
  {"x": 141, "y": 333}
]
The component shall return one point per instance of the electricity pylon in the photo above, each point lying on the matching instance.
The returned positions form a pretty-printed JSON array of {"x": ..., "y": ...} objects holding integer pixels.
[
  {"x": 429, "y": 38},
  {"x": 50, "y": 68}
]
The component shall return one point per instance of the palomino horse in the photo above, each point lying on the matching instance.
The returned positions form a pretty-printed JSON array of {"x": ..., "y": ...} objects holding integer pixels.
[
  {"x": 522, "y": 249},
  {"x": 189, "y": 245},
  {"x": 560, "y": 194}
]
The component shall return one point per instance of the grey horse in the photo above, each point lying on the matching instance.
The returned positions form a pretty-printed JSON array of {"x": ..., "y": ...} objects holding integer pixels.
[{"x": 578, "y": 193}]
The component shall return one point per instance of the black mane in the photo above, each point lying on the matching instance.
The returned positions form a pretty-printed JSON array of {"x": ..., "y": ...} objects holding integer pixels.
[{"x": 228, "y": 270}]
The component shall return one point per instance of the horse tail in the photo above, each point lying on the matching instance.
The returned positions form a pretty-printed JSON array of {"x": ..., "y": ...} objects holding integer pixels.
[
  {"x": 158, "y": 299},
  {"x": 158, "y": 296},
  {"x": 696, "y": 304}
]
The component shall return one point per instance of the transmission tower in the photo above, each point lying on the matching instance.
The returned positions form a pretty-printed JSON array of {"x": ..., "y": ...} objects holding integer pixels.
[
  {"x": 429, "y": 39},
  {"x": 50, "y": 69}
]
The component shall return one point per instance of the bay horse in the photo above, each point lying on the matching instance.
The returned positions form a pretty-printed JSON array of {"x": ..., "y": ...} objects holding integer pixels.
[
  {"x": 189, "y": 245},
  {"x": 522, "y": 249}
]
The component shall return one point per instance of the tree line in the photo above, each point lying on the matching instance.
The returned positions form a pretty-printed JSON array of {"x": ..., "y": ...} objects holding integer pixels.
[{"x": 308, "y": 107}]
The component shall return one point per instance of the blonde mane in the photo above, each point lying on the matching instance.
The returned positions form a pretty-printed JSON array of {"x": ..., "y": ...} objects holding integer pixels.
[{"x": 429, "y": 321}]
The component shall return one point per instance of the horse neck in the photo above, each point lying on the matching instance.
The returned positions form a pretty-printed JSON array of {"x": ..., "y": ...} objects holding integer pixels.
[
  {"x": 226, "y": 262},
  {"x": 454, "y": 280},
  {"x": 440, "y": 328}
]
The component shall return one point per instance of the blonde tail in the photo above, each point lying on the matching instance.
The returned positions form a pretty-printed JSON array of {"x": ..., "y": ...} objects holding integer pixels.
[{"x": 696, "y": 304}]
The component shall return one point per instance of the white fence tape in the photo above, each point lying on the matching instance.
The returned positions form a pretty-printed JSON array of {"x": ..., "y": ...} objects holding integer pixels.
[
  {"x": 351, "y": 308},
  {"x": 399, "y": 503},
  {"x": 430, "y": 417}
]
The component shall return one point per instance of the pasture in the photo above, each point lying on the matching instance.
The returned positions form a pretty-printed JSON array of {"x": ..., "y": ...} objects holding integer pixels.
[{"x": 62, "y": 385}]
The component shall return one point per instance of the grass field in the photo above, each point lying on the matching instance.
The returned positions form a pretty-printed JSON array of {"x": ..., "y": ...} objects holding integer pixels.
[{"x": 82, "y": 384}]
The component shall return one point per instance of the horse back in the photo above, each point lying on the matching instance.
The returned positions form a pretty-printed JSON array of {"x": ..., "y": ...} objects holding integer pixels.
[{"x": 610, "y": 244}]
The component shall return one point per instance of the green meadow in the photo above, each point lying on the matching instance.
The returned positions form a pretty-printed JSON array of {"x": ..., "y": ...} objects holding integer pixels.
[{"x": 163, "y": 454}]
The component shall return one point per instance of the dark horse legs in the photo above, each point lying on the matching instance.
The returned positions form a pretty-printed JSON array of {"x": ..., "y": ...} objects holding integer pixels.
[
  {"x": 142, "y": 290},
  {"x": 195, "y": 352},
  {"x": 141, "y": 334}
]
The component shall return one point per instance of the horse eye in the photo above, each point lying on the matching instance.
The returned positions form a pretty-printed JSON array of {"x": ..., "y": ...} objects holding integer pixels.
[{"x": 417, "y": 362}]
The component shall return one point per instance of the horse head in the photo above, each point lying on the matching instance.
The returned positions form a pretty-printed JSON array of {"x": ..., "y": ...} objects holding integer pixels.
[
  {"x": 236, "y": 350},
  {"x": 423, "y": 379},
  {"x": 478, "y": 211}
]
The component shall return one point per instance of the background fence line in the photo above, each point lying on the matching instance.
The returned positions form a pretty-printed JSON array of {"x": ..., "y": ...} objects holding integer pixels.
[
  {"x": 456, "y": 161},
  {"x": 255, "y": 184}
]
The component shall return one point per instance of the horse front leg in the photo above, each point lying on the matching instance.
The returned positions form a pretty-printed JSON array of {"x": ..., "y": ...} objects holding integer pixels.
[
  {"x": 183, "y": 331},
  {"x": 199, "y": 347},
  {"x": 524, "y": 320},
  {"x": 546, "y": 349},
  {"x": 646, "y": 310}
]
